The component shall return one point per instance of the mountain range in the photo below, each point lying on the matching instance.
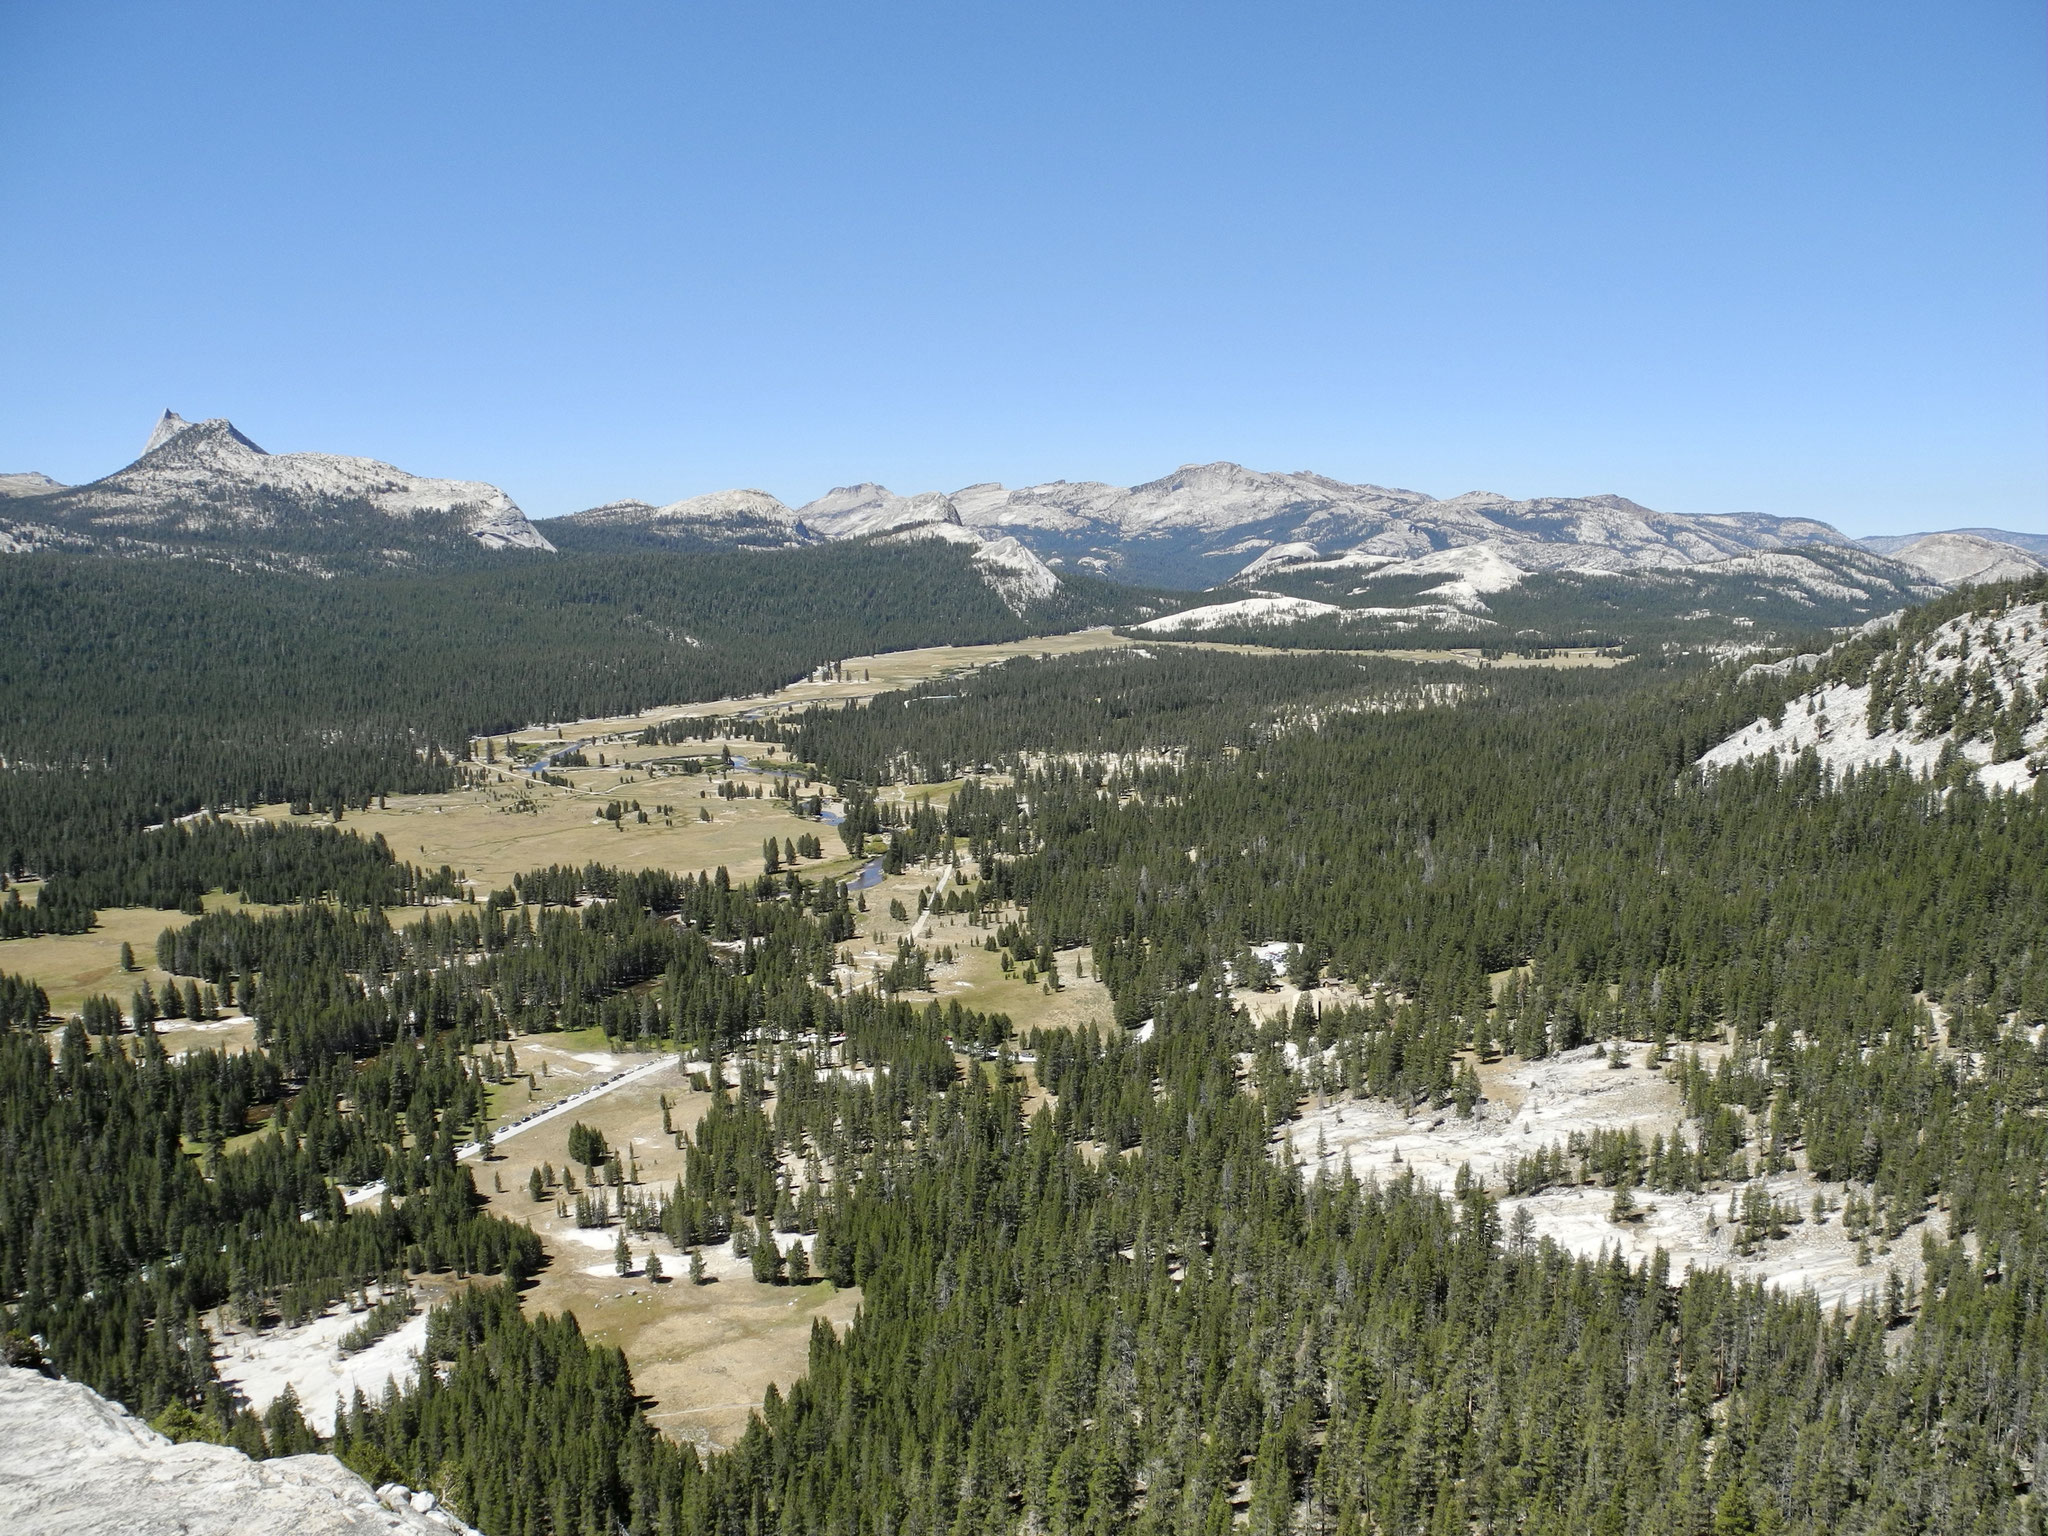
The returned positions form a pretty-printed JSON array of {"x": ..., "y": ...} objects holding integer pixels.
[
  {"x": 1270, "y": 542},
  {"x": 1207, "y": 525},
  {"x": 204, "y": 489}
]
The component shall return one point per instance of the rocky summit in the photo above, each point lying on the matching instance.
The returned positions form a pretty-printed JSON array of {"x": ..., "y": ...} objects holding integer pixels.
[{"x": 205, "y": 489}]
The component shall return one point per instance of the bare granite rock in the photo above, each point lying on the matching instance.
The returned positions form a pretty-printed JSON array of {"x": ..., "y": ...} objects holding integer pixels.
[{"x": 77, "y": 1464}]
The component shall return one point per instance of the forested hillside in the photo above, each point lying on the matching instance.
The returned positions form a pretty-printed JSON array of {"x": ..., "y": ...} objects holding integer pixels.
[
  {"x": 1098, "y": 1294},
  {"x": 137, "y": 692},
  {"x": 1145, "y": 700},
  {"x": 1766, "y": 598}
]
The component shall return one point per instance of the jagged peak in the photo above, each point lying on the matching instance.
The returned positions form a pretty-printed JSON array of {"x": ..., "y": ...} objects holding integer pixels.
[
  {"x": 199, "y": 439},
  {"x": 205, "y": 485},
  {"x": 168, "y": 426}
]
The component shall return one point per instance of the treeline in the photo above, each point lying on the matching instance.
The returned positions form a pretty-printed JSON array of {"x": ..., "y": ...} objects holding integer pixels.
[
  {"x": 640, "y": 962},
  {"x": 1551, "y": 817},
  {"x": 1148, "y": 699},
  {"x": 175, "y": 866}
]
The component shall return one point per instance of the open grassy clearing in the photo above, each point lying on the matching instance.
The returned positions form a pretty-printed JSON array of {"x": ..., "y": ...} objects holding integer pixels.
[
  {"x": 626, "y": 762},
  {"x": 553, "y": 1067},
  {"x": 71, "y": 967},
  {"x": 976, "y": 980},
  {"x": 507, "y": 828},
  {"x": 1276, "y": 1004},
  {"x": 705, "y": 1354},
  {"x": 974, "y": 977},
  {"x": 859, "y": 679}
]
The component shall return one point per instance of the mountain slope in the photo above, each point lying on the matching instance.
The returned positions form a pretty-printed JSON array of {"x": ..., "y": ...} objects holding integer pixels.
[
  {"x": 856, "y": 511},
  {"x": 1959, "y": 559},
  {"x": 738, "y": 519},
  {"x": 2032, "y": 543},
  {"x": 1005, "y": 566},
  {"x": 1206, "y": 522},
  {"x": 1474, "y": 594},
  {"x": 204, "y": 489},
  {"x": 748, "y": 519},
  {"x": 1964, "y": 682}
]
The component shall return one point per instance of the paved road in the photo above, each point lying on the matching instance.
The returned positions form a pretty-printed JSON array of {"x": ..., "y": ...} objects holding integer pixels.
[
  {"x": 917, "y": 929},
  {"x": 541, "y": 1116}
]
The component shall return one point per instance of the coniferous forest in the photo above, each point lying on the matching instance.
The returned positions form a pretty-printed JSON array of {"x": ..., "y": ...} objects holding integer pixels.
[
  {"x": 138, "y": 692},
  {"x": 1127, "y": 1309}
]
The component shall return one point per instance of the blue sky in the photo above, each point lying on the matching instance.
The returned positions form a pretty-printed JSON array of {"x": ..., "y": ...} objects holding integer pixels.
[{"x": 1725, "y": 257}]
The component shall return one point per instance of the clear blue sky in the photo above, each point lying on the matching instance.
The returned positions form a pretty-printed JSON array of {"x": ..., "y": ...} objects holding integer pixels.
[{"x": 1784, "y": 258}]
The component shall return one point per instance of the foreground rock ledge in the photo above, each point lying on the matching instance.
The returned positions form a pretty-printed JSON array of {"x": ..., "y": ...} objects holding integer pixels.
[{"x": 77, "y": 1464}]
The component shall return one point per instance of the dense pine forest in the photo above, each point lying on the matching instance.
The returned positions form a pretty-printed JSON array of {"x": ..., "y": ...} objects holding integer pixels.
[
  {"x": 138, "y": 692},
  {"x": 1127, "y": 1309}
]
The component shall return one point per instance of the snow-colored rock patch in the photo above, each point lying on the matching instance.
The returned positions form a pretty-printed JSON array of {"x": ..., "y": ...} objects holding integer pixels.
[
  {"x": 1281, "y": 556},
  {"x": 79, "y": 1465},
  {"x": 1248, "y": 610},
  {"x": 1015, "y": 574},
  {"x": 1833, "y": 721},
  {"x": 1472, "y": 569},
  {"x": 1533, "y": 1105},
  {"x": 309, "y": 1360},
  {"x": 1009, "y": 570},
  {"x": 1964, "y": 559},
  {"x": 1530, "y": 1106}
]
